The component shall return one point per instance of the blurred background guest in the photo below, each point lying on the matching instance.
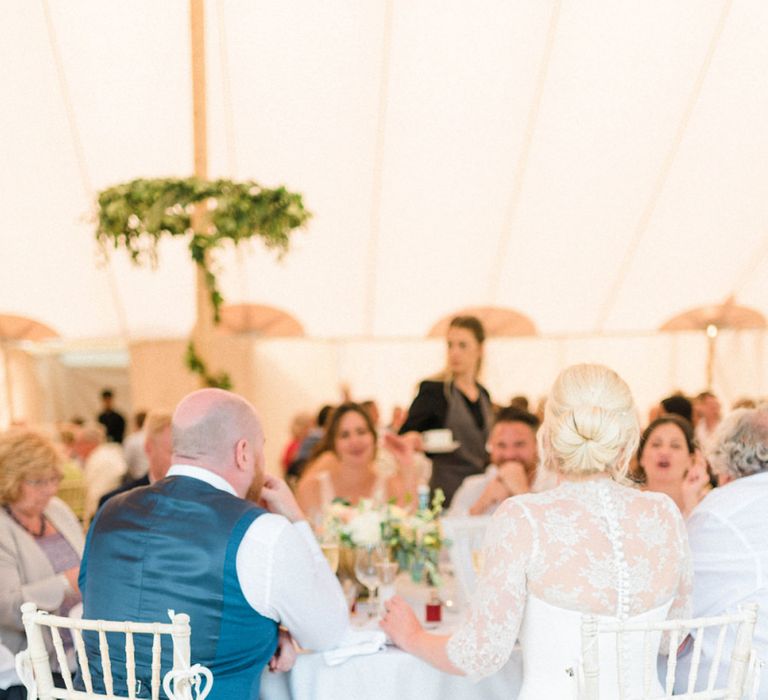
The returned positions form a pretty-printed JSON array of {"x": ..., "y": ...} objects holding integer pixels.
[
  {"x": 300, "y": 426},
  {"x": 112, "y": 420},
  {"x": 346, "y": 466},
  {"x": 707, "y": 415},
  {"x": 728, "y": 536},
  {"x": 512, "y": 471},
  {"x": 133, "y": 447},
  {"x": 668, "y": 462},
  {"x": 41, "y": 540},
  {"x": 103, "y": 465},
  {"x": 158, "y": 447},
  {"x": 457, "y": 401}
]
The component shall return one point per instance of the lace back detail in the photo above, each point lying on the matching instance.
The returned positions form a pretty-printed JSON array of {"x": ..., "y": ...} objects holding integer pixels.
[{"x": 616, "y": 535}]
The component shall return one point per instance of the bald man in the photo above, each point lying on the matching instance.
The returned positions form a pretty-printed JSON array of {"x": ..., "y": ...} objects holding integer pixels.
[{"x": 193, "y": 543}]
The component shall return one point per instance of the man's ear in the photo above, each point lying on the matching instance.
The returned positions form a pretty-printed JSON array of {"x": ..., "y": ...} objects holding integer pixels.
[{"x": 241, "y": 454}]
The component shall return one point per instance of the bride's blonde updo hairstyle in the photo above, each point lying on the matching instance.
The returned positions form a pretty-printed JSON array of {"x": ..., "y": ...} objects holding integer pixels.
[{"x": 590, "y": 424}]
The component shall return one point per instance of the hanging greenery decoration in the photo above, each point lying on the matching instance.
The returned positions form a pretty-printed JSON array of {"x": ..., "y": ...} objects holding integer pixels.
[
  {"x": 196, "y": 365},
  {"x": 137, "y": 214}
]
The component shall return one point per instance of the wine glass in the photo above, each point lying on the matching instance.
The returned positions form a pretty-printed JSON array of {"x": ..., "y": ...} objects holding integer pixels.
[
  {"x": 367, "y": 559},
  {"x": 329, "y": 544}
]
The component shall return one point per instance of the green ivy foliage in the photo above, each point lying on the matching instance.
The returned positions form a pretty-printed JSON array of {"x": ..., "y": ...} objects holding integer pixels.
[
  {"x": 196, "y": 365},
  {"x": 137, "y": 214}
]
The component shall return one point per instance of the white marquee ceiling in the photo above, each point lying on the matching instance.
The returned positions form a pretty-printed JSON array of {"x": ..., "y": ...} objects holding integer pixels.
[{"x": 598, "y": 166}]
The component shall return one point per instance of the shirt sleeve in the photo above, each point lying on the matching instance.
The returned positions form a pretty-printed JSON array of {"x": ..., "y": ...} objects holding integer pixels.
[
  {"x": 486, "y": 637},
  {"x": 285, "y": 577},
  {"x": 428, "y": 410}
]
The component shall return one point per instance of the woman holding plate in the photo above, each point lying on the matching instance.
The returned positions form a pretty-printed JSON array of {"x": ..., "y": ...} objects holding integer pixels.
[{"x": 457, "y": 401}]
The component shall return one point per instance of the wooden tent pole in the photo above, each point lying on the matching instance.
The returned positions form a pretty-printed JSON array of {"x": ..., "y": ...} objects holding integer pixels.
[{"x": 203, "y": 332}]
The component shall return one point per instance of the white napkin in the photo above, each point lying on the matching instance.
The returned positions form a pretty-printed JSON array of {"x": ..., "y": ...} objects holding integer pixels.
[{"x": 355, "y": 643}]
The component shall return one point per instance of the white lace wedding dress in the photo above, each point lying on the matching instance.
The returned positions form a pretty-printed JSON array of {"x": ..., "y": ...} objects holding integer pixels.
[{"x": 584, "y": 547}]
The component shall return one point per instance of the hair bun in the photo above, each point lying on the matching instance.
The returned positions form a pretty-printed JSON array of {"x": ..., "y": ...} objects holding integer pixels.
[{"x": 590, "y": 422}]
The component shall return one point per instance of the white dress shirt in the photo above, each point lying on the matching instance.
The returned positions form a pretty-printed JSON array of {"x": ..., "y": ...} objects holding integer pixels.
[
  {"x": 729, "y": 546},
  {"x": 284, "y": 575}
]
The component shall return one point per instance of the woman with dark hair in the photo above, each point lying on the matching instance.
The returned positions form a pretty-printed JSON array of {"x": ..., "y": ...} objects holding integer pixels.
[
  {"x": 668, "y": 462},
  {"x": 346, "y": 464},
  {"x": 457, "y": 401}
]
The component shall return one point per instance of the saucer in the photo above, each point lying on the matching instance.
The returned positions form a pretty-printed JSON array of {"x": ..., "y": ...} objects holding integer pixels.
[{"x": 443, "y": 449}]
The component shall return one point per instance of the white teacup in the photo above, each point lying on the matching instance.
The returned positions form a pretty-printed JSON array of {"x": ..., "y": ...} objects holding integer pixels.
[{"x": 441, "y": 439}]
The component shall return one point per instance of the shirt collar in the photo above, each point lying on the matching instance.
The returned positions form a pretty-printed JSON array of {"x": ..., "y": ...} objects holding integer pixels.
[{"x": 203, "y": 475}]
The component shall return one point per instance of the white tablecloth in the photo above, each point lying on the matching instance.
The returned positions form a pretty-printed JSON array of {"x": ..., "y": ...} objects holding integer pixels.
[
  {"x": 391, "y": 674},
  {"x": 387, "y": 675}
]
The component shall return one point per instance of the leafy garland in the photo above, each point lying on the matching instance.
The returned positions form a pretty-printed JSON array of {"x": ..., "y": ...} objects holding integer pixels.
[
  {"x": 196, "y": 365},
  {"x": 137, "y": 214}
]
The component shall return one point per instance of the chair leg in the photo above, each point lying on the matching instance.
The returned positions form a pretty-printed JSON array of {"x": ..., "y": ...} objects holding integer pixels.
[{"x": 38, "y": 654}]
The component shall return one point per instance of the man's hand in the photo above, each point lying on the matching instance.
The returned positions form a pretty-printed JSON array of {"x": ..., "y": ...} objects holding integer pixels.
[
  {"x": 285, "y": 654},
  {"x": 514, "y": 477},
  {"x": 493, "y": 494},
  {"x": 278, "y": 498}
]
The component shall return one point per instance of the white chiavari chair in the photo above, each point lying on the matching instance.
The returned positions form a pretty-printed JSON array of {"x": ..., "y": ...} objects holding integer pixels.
[
  {"x": 182, "y": 682},
  {"x": 742, "y": 666}
]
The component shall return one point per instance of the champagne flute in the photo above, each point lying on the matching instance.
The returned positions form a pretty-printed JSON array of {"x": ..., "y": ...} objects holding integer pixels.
[
  {"x": 329, "y": 544},
  {"x": 367, "y": 558}
]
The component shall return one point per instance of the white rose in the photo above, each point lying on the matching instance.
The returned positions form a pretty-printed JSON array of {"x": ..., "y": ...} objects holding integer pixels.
[{"x": 365, "y": 529}]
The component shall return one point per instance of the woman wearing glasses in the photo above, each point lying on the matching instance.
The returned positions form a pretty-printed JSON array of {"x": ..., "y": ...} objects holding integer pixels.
[{"x": 41, "y": 541}]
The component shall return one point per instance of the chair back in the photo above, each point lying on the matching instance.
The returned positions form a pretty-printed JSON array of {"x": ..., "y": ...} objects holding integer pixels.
[
  {"x": 466, "y": 535},
  {"x": 742, "y": 666},
  {"x": 181, "y": 682}
]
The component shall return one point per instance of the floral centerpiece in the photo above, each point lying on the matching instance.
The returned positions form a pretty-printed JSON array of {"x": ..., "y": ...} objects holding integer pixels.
[{"x": 415, "y": 539}]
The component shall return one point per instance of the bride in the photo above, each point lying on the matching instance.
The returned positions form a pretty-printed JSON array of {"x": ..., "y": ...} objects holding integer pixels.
[{"x": 591, "y": 545}]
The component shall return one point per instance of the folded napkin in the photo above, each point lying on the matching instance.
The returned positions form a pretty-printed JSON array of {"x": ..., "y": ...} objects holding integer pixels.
[{"x": 355, "y": 643}]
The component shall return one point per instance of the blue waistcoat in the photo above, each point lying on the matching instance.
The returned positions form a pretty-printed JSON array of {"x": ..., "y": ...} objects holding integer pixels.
[{"x": 174, "y": 545}]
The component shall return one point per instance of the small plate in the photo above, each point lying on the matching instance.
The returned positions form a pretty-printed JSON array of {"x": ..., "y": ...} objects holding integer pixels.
[{"x": 443, "y": 449}]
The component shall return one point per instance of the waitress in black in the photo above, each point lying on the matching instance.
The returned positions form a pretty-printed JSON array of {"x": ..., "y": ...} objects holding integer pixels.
[{"x": 456, "y": 400}]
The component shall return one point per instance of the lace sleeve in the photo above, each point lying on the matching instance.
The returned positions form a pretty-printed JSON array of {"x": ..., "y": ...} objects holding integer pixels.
[
  {"x": 483, "y": 643},
  {"x": 681, "y": 605}
]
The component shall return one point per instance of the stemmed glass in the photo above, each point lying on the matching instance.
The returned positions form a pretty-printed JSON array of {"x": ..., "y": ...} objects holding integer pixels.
[
  {"x": 329, "y": 544},
  {"x": 367, "y": 561}
]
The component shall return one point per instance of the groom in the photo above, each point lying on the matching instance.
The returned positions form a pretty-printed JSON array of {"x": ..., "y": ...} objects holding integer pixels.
[{"x": 191, "y": 542}]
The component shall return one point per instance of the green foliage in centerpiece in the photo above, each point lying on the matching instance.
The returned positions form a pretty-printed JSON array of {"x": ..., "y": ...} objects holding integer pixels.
[
  {"x": 415, "y": 539},
  {"x": 137, "y": 214}
]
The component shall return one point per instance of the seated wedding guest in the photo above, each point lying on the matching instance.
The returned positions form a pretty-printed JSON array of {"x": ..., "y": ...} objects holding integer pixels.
[
  {"x": 103, "y": 465},
  {"x": 668, "y": 462},
  {"x": 347, "y": 466},
  {"x": 10, "y": 683},
  {"x": 72, "y": 487},
  {"x": 553, "y": 556},
  {"x": 308, "y": 446},
  {"x": 728, "y": 534},
  {"x": 512, "y": 471},
  {"x": 301, "y": 424},
  {"x": 133, "y": 447},
  {"x": 158, "y": 447},
  {"x": 41, "y": 540},
  {"x": 192, "y": 542},
  {"x": 706, "y": 416},
  {"x": 455, "y": 400}
]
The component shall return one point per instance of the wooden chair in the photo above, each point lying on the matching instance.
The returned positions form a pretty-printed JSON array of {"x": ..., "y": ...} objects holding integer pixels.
[
  {"x": 33, "y": 664},
  {"x": 742, "y": 669}
]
